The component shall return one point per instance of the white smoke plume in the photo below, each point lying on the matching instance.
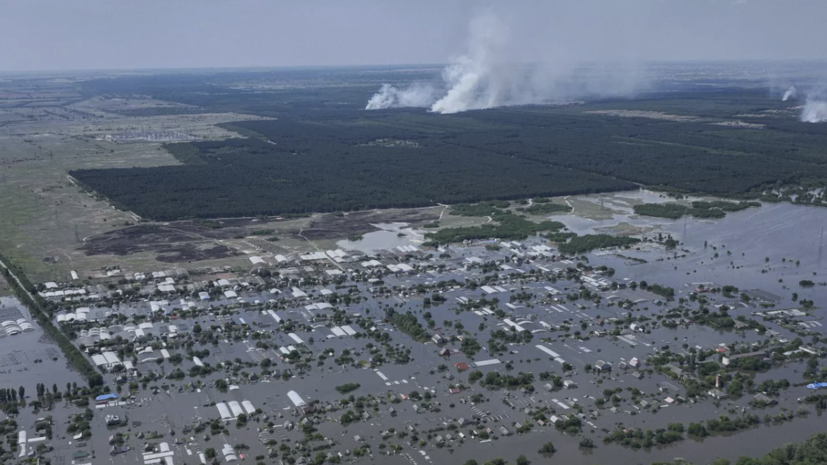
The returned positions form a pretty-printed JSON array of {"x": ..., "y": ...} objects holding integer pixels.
[
  {"x": 474, "y": 80},
  {"x": 415, "y": 95},
  {"x": 791, "y": 93},
  {"x": 498, "y": 70},
  {"x": 814, "y": 111}
]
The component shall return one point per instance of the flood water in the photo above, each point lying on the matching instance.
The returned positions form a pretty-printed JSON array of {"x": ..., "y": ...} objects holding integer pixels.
[
  {"x": 31, "y": 357},
  {"x": 390, "y": 236},
  {"x": 770, "y": 238},
  {"x": 754, "y": 442}
]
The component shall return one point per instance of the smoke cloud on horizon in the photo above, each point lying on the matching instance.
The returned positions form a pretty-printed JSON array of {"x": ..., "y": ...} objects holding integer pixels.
[{"x": 498, "y": 69}]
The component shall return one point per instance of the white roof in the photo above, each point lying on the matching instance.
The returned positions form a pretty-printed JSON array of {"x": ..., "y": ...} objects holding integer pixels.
[
  {"x": 50, "y": 285},
  {"x": 235, "y": 407},
  {"x": 348, "y": 330},
  {"x": 296, "y": 338},
  {"x": 296, "y": 398},
  {"x": 223, "y": 410},
  {"x": 313, "y": 256},
  {"x": 483, "y": 363},
  {"x": 204, "y": 296},
  {"x": 165, "y": 353},
  {"x": 230, "y": 294},
  {"x": 338, "y": 332},
  {"x": 111, "y": 358},
  {"x": 248, "y": 407},
  {"x": 256, "y": 260},
  {"x": 514, "y": 325},
  {"x": 166, "y": 288},
  {"x": 281, "y": 258},
  {"x": 334, "y": 272},
  {"x": 338, "y": 253},
  {"x": 548, "y": 351},
  {"x": 197, "y": 361},
  {"x": 99, "y": 360},
  {"x": 326, "y": 292},
  {"x": 298, "y": 292},
  {"x": 223, "y": 282}
]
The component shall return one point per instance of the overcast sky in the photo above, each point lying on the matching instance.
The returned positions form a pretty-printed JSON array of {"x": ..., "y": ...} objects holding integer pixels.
[{"x": 130, "y": 34}]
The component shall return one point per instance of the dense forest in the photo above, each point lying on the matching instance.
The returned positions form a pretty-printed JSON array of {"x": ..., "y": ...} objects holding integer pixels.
[
  {"x": 325, "y": 153},
  {"x": 303, "y": 167}
]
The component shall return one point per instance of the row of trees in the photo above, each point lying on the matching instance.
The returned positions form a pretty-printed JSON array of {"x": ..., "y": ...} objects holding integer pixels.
[{"x": 38, "y": 307}]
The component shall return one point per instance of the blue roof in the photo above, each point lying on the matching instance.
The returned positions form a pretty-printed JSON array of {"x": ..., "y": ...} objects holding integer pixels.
[
  {"x": 107, "y": 397},
  {"x": 817, "y": 386}
]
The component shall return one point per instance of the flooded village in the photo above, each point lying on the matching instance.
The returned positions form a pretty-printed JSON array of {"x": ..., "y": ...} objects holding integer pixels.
[{"x": 388, "y": 350}]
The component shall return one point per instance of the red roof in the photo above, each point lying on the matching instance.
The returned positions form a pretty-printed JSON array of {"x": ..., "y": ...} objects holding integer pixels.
[{"x": 461, "y": 366}]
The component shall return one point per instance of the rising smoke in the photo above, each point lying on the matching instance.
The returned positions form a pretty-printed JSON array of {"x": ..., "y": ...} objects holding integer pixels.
[
  {"x": 415, "y": 95},
  {"x": 494, "y": 71},
  {"x": 791, "y": 93},
  {"x": 814, "y": 111}
]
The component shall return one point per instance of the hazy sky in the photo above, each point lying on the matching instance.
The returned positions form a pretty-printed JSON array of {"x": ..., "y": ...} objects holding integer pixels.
[{"x": 111, "y": 34}]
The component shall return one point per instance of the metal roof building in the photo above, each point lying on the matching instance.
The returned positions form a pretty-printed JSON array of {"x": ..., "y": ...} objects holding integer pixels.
[
  {"x": 248, "y": 407},
  {"x": 296, "y": 399},
  {"x": 235, "y": 408},
  {"x": 223, "y": 410}
]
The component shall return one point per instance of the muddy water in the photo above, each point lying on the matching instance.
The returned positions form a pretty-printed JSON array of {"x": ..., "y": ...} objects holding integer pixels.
[
  {"x": 387, "y": 238},
  {"x": 31, "y": 357},
  {"x": 754, "y": 442},
  {"x": 750, "y": 245}
]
